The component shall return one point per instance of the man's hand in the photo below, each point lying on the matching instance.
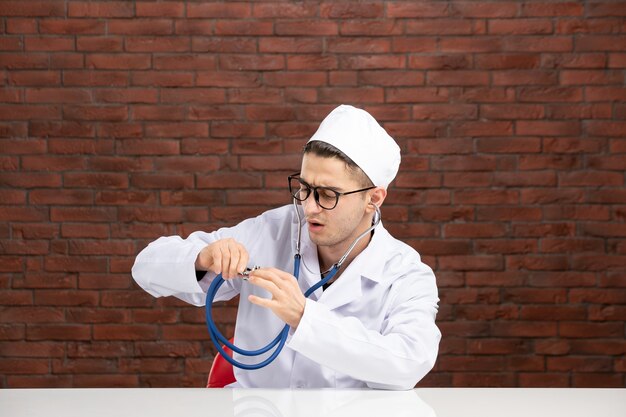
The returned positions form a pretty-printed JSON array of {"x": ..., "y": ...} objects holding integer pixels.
[
  {"x": 287, "y": 300},
  {"x": 226, "y": 256}
]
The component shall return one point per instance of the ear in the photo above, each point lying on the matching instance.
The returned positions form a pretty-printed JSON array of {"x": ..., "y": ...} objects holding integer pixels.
[{"x": 376, "y": 197}]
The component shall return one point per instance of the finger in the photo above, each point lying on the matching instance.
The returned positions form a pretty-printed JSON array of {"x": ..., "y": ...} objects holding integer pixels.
[
  {"x": 264, "y": 283},
  {"x": 233, "y": 251},
  {"x": 278, "y": 277},
  {"x": 225, "y": 262},
  {"x": 260, "y": 301},
  {"x": 216, "y": 266},
  {"x": 243, "y": 260},
  {"x": 265, "y": 274}
]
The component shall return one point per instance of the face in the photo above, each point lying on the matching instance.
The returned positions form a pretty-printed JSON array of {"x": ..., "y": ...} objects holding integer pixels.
[{"x": 342, "y": 224}]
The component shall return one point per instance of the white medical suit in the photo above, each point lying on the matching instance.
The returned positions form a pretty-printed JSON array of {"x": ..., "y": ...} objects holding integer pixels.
[{"x": 374, "y": 327}]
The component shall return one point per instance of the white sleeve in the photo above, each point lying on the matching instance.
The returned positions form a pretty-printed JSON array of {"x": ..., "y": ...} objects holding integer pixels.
[
  {"x": 166, "y": 267},
  {"x": 396, "y": 357}
]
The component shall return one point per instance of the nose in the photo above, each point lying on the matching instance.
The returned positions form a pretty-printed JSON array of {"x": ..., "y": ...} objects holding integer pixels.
[{"x": 310, "y": 206}]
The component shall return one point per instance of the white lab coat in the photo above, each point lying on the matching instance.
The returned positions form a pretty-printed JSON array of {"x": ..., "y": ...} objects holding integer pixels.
[{"x": 374, "y": 327}]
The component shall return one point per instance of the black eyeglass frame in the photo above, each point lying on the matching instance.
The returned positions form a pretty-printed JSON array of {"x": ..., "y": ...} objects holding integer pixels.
[{"x": 316, "y": 194}]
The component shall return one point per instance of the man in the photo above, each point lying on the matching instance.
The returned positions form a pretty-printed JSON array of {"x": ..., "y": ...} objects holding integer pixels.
[{"x": 374, "y": 326}]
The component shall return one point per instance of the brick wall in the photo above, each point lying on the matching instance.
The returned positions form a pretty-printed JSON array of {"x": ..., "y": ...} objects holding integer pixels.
[{"x": 124, "y": 121}]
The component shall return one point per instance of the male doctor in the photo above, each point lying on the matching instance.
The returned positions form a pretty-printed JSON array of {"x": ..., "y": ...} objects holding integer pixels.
[{"x": 372, "y": 326}]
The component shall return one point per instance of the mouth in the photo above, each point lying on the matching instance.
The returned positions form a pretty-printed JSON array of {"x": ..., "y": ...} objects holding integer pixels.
[{"x": 315, "y": 226}]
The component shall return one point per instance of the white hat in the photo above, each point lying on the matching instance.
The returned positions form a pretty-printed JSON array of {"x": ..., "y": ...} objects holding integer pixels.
[{"x": 358, "y": 135}]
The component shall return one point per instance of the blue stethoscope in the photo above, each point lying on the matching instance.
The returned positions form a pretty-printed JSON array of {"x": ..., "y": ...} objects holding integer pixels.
[{"x": 218, "y": 338}]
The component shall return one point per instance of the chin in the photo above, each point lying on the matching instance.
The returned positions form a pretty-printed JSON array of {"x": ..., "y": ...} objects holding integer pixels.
[{"x": 319, "y": 240}]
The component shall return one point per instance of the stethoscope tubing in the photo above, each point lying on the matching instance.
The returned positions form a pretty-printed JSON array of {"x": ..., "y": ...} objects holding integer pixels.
[{"x": 279, "y": 341}]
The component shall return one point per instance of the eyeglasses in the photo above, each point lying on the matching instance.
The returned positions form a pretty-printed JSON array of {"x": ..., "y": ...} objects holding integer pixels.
[{"x": 325, "y": 197}]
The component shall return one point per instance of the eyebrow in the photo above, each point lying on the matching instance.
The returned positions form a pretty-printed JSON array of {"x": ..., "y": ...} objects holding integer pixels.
[{"x": 338, "y": 189}]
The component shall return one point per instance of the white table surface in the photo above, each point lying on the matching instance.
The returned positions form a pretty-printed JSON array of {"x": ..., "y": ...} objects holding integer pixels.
[{"x": 424, "y": 402}]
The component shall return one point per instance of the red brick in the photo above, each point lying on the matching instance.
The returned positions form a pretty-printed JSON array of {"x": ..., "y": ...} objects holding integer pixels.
[
  {"x": 58, "y": 332},
  {"x": 413, "y": 44},
  {"x": 413, "y": 95},
  {"x": 405, "y": 9},
  {"x": 227, "y": 44},
  {"x": 140, "y": 26},
  {"x": 597, "y": 43},
  {"x": 525, "y": 363},
  {"x": 445, "y": 112},
  {"x": 161, "y": 9},
  {"x": 584, "y": 330},
  {"x": 124, "y": 332},
  {"x": 232, "y": 10},
  {"x": 118, "y": 61},
  {"x": 524, "y": 77},
  {"x": 243, "y": 28},
  {"x": 522, "y": 329},
  {"x": 470, "y": 44},
  {"x": 482, "y": 379},
  {"x": 544, "y": 380},
  {"x": 605, "y": 128},
  {"x": 184, "y": 332},
  {"x": 591, "y": 178},
  {"x": 9, "y": 366},
  {"x": 363, "y": 62},
  {"x": 95, "y": 78},
  {"x": 360, "y": 95},
  {"x": 481, "y": 128},
  {"x": 357, "y": 45},
  {"x": 588, "y": 25},
  {"x": 557, "y": 313},
  {"x": 251, "y": 62},
  {"x": 617, "y": 60},
  {"x": 370, "y": 27},
  {"x": 599, "y": 296},
  {"x": 609, "y": 347},
  {"x": 597, "y": 380},
  {"x": 306, "y": 28},
  {"x": 563, "y": 279},
  {"x": 555, "y": 9},
  {"x": 550, "y": 94},
  {"x": 149, "y": 147},
  {"x": 162, "y": 79},
  {"x": 106, "y": 381},
  {"x": 351, "y": 11},
  {"x": 99, "y": 44},
  {"x": 21, "y": 25},
  {"x": 576, "y": 60},
  {"x": 457, "y": 78},
  {"x": 100, "y": 9},
  {"x": 284, "y": 10},
  {"x": 605, "y": 9},
  {"x": 269, "y": 113},
  {"x": 519, "y": 26},
  {"x": 156, "y": 316},
  {"x": 586, "y": 262},
  {"x": 67, "y": 61},
  {"x": 13, "y": 197},
  {"x": 289, "y": 45},
  {"x": 256, "y": 95},
  {"x": 546, "y": 196},
  {"x": 49, "y": 43},
  {"x": 590, "y": 77}
]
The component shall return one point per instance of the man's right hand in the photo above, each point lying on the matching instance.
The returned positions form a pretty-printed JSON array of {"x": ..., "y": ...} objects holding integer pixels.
[{"x": 226, "y": 256}]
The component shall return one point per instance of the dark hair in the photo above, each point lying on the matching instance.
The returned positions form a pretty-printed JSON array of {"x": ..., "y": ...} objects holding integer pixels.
[{"x": 326, "y": 150}]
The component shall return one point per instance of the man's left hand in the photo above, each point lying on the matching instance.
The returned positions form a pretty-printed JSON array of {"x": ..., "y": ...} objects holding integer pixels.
[{"x": 287, "y": 300}]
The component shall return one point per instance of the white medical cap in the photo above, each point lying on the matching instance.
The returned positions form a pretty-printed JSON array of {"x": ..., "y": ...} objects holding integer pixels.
[{"x": 358, "y": 135}]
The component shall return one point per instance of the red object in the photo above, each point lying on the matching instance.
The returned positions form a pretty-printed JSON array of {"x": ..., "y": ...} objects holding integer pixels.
[{"x": 221, "y": 373}]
